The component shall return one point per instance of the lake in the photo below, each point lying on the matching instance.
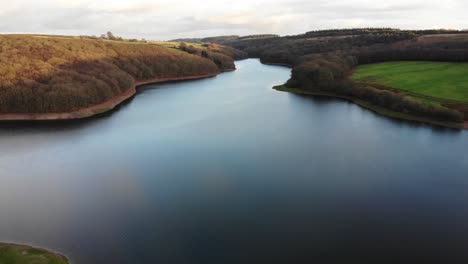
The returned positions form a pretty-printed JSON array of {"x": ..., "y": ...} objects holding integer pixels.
[{"x": 228, "y": 170}]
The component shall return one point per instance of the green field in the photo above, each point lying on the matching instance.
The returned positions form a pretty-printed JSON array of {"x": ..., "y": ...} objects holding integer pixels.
[
  {"x": 444, "y": 82},
  {"x": 17, "y": 254}
]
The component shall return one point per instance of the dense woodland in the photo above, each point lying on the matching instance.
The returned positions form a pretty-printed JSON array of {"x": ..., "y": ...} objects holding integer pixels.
[
  {"x": 289, "y": 50},
  {"x": 323, "y": 60},
  {"x": 41, "y": 74},
  {"x": 220, "y": 55}
]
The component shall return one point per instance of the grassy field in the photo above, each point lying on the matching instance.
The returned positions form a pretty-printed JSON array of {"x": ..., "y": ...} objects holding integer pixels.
[
  {"x": 16, "y": 254},
  {"x": 371, "y": 107},
  {"x": 444, "y": 82}
]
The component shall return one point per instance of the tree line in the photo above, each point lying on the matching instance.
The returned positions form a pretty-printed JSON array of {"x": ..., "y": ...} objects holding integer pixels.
[
  {"x": 288, "y": 50},
  {"x": 110, "y": 36}
]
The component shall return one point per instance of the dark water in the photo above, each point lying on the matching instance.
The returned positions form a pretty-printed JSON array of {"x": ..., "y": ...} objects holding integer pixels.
[{"x": 227, "y": 170}]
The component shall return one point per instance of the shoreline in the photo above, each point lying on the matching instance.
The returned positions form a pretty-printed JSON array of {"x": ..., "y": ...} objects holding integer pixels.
[
  {"x": 377, "y": 109},
  {"x": 100, "y": 108},
  {"x": 370, "y": 107},
  {"x": 278, "y": 64},
  {"x": 44, "y": 251}
]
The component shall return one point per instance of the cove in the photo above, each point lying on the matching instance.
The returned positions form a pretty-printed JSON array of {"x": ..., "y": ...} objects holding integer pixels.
[{"x": 228, "y": 170}]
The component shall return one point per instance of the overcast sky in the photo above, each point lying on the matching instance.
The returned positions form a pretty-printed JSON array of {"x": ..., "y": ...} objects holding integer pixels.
[{"x": 162, "y": 20}]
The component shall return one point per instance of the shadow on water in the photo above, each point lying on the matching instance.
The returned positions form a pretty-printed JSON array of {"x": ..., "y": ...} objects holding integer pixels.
[
  {"x": 318, "y": 100},
  {"x": 64, "y": 125},
  {"x": 231, "y": 171},
  {"x": 58, "y": 125},
  {"x": 76, "y": 124},
  {"x": 146, "y": 87}
]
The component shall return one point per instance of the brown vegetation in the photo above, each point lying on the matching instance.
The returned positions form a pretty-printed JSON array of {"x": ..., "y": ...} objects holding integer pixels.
[
  {"x": 96, "y": 108},
  {"x": 221, "y": 55},
  {"x": 44, "y": 74}
]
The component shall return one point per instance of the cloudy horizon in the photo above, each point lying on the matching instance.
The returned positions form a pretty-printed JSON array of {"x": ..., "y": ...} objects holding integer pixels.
[{"x": 163, "y": 20}]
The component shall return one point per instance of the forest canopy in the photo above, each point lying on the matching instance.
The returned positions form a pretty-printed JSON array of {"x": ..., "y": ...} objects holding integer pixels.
[{"x": 42, "y": 74}]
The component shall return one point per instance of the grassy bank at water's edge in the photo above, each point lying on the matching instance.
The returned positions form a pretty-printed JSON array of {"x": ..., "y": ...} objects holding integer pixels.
[
  {"x": 443, "y": 82},
  {"x": 19, "y": 254},
  {"x": 371, "y": 107}
]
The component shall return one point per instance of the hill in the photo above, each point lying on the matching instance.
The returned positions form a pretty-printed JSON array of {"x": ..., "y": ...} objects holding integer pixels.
[
  {"x": 19, "y": 254},
  {"x": 56, "y": 74}
]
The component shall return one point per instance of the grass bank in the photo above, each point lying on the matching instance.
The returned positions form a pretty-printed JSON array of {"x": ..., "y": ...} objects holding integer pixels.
[
  {"x": 443, "y": 82},
  {"x": 19, "y": 254},
  {"x": 373, "y": 108}
]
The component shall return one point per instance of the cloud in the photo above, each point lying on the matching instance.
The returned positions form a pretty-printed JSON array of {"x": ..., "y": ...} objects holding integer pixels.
[{"x": 181, "y": 18}]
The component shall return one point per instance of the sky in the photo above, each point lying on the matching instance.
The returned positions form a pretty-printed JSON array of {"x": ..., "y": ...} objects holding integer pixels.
[{"x": 169, "y": 19}]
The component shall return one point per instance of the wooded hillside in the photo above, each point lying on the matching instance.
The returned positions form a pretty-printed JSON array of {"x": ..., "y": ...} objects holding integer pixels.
[{"x": 42, "y": 74}]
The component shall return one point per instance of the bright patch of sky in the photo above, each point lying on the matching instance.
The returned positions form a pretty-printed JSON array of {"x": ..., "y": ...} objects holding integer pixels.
[{"x": 181, "y": 18}]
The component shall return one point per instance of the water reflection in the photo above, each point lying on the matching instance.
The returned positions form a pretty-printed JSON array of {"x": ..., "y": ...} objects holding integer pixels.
[{"x": 227, "y": 170}]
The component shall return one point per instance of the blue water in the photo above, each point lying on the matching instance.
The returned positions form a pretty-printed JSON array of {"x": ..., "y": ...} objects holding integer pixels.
[{"x": 228, "y": 170}]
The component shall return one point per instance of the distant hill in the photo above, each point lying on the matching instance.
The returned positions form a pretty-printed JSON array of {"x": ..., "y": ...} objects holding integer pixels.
[
  {"x": 216, "y": 39},
  {"x": 228, "y": 39},
  {"x": 220, "y": 39},
  {"x": 187, "y": 40},
  {"x": 290, "y": 49}
]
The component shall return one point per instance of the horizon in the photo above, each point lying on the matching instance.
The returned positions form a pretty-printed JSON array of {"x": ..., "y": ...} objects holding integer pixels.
[
  {"x": 227, "y": 35},
  {"x": 185, "y": 19}
]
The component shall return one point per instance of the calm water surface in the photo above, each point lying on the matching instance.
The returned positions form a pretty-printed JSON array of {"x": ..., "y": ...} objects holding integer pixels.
[{"x": 227, "y": 170}]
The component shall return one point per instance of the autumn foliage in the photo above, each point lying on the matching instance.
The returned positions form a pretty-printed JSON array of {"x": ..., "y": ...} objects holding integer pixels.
[{"x": 42, "y": 74}]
